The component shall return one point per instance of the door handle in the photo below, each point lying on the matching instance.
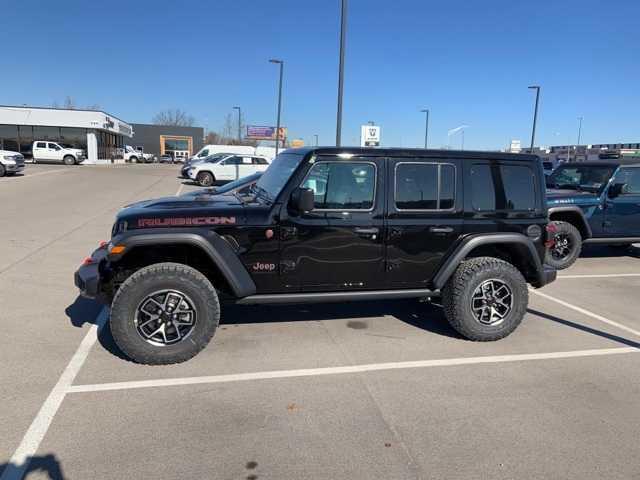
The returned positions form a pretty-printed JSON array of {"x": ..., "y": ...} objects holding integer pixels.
[
  {"x": 441, "y": 230},
  {"x": 367, "y": 232}
]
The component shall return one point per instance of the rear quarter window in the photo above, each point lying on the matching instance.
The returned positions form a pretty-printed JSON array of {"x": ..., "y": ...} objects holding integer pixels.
[{"x": 503, "y": 187}]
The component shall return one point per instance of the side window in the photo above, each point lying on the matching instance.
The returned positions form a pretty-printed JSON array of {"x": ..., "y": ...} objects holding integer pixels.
[
  {"x": 259, "y": 161},
  {"x": 246, "y": 161},
  {"x": 41, "y": 145},
  {"x": 424, "y": 186},
  {"x": 53, "y": 146},
  {"x": 342, "y": 185},
  {"x": 502, "y": 187},
  {"x": 204, "y": 153},
  {"x": 631, "y": 179},
  {"x": 233, "y": 161}
]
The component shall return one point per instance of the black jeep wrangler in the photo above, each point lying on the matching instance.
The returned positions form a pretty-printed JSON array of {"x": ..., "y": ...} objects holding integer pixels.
[{"x": 329, "y": 225}]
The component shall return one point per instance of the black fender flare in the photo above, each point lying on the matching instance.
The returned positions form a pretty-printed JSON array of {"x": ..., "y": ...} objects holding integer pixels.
[
  {"x": 576, "y": 210},
  {"x": 468, "y": 244},
  {"x": 218, "y": 250}
]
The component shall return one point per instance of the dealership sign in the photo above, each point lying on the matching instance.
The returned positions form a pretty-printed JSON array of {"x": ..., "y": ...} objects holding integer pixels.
[
  {"x": 369, "y": 136},
  {"x": 265, "y": 133}
]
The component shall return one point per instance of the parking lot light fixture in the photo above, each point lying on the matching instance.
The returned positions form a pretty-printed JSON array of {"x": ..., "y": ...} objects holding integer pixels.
[
  {"x": 426, "y": 127},
  {"x": 239, "y": 123},
  {"x": 535, "y": 116},
  {"x": 281, "y": 64}
]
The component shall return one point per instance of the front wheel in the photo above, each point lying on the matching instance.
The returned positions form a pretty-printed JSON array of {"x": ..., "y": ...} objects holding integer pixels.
[
  {"x": 69, "y": 160},
  {"x": 164, "y": 313},
  {"x": 485, "y": 299},
  {"x": 205, "y": 179},
  {"x": 566, "y": 247}
]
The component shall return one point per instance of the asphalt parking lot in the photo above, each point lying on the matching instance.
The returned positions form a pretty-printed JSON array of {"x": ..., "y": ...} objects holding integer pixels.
[{"x": 374, "y": 390}]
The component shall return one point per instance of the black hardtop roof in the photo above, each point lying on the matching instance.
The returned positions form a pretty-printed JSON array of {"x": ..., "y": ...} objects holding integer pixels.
[{"x": 414, "y": 152}]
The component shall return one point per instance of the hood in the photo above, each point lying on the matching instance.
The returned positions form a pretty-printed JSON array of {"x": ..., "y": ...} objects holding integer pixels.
[
  {"x": 191, "y": 211},
  {"x": 555, "y": 196},
  {"x": 9, "y": 152}
]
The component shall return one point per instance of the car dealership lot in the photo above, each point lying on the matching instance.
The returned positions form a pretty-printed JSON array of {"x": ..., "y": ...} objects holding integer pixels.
[{"x": 358, "y": 390}]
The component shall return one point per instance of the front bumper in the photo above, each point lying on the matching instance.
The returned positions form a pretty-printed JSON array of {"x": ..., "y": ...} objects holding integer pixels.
[
  {"x": 14, "y": 168},
  {"x": 547, "y": 276},
  {"x": 88, "y": 278}
]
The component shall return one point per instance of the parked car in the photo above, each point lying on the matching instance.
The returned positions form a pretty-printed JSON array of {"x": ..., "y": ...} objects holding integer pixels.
[
  {"x": 209, "y": 150},
  {"x": 225, "y": 169},
  {"x": 242, "y": 186},
  {"x": 54, "y": 152},
  {"x": 329, "y": 225},
  {"x": 194, "y": 161},
  {"x": 593, "y": 202},
  {"x": 10, "y": 162},
  {"x": 166, "y": 158}
]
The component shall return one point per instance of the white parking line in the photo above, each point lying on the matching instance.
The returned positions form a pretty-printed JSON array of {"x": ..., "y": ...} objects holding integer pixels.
[
  {"x": 604, "y": 275},
  {"x": 180, "y": 189},
  {"x": 31, "y": 440},
  {"x": 586, "y": 312},
  {"x": 372, "y": 367},
  {"x": 30, "y": 175}
]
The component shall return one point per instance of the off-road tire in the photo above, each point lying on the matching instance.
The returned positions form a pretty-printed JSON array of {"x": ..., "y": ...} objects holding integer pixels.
[
  {"x": 205, "y": 179},
  {"x": 69, "y": 160},
  {"x": 459, "y": 289},
  {"x": 572, "y": 234},
  {"x": 3, "y": 171},
  {"x": 151, "y": 279}
]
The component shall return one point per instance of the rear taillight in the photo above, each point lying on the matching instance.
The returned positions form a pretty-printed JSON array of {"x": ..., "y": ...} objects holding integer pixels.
[{"x": 551, "y": 235}]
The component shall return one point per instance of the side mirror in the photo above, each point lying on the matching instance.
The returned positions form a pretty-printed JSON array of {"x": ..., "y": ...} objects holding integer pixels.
[
  {"x": 302, "y": 199},
  {"x": 616, "y": 189}
]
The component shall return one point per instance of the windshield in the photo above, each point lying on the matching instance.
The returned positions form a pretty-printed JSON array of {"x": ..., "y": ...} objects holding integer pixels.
[
  {"x": 275, "y": 177},
  {"x": 580, "y": 177},
  {"x": 237, "y": 184}
]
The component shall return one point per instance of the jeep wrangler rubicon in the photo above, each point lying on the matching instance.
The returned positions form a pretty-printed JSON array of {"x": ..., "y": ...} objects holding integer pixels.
[
  {"x": 593, "y": 202},
  {"x": 329, "y": 225}
]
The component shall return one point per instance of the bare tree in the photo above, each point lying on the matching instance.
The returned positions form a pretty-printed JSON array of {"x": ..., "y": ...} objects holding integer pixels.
[{"x": 174, "y": 117}]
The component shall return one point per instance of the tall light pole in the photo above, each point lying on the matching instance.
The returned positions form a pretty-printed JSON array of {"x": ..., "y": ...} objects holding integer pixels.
[
  {"x": 426, "y": 127},
  {"x": 239, "y": 123},
  {"x": 535, "y": 116},
  {"x": 343, "y": 33},
  {"x": 281, "y": 64},
  {"x": 316, "y": 137}
]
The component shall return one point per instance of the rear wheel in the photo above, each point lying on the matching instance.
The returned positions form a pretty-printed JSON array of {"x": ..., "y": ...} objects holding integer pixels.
[
  {"x": 69, "y": 160},
  {"x": 566, "y": 248},
  {"x": 205, "y": 179},
  {"x": 485, "y": 299},
  {"x": 164, "y": 313},
  {"x": 3, "y": 170}
]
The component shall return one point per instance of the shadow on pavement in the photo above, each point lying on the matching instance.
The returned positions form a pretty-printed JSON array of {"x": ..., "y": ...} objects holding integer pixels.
[
  {"x": 584, "y": 328},
  {"x": 84, "y": 310},
  {"x": 426, "y": 316},
  {"x": 47, "y": 466},
  {"x": 601, "y": 251}
]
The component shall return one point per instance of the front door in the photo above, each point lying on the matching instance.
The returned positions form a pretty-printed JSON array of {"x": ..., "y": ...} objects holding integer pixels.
[
  {"x": 424, "y": 218},
  {"x": 54, "y": 152},
  {"x": 339, "y": 245},
  {"x": 622, "y": 213}
]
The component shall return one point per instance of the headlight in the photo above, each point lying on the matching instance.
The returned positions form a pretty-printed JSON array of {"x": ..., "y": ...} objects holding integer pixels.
[{"x": 10, "y": 158}]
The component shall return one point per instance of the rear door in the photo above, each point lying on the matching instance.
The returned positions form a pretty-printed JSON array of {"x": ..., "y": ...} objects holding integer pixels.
[
  {"x": 424, "y": 218},
  {"x": 40, "y": 150},
  {"x": 622, "y": 214},
  {"x": 228, "y": 169}
]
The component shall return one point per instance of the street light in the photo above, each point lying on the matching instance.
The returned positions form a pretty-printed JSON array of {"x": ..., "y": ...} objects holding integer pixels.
[
  {"x": 281, "y": 64},
  {"x": 343, "y": 33},
  {"x": 579, "y": 129},
  {"x": 426, "y": 127},
  {"x": 535, "y": 116},
  {"x": 316, "y": 136},
  {"x": 239, "y": 122}
]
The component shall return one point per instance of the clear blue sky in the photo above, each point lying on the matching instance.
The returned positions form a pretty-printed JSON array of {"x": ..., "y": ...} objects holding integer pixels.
[{"x": 470, "y": 62}]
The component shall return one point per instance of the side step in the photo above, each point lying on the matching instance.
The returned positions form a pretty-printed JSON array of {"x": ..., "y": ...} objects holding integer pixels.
[
  {"x": 320, "y": 297},
  {"x": 612, "y": 241}
]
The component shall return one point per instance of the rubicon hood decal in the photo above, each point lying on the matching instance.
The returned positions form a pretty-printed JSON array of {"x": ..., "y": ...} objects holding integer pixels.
[{"x": 184, "y": 221}]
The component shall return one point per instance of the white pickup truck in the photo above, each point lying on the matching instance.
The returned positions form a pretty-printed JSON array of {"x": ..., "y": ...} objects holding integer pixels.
[
  {"x": 10, "y": 162},
  {"x": 45, "y": 151},
  {"x": 137, "y": 156}
]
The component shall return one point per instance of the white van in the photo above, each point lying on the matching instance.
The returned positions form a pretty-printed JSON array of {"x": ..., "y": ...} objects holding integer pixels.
[
  {"x": 209, "y": 150},
  {"x": 45, "y": 151}
]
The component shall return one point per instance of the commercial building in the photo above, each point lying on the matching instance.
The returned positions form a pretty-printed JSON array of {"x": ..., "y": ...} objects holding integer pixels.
[
  {"x": 166, "y": 139},
  {"x": 100, "y": 134}
]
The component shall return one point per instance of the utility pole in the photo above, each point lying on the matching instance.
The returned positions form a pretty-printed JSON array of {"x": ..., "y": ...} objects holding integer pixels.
[
  {"x": 535, "y": 116},
  {"x": 239, "y": 123},
  {"x": 316, "y": 136},
  {"x": 426, "y": 128},
  {"x": 281, "y": 64},
  {"x": 579, "y": 129},
  {"x": 343, "y": 33}
]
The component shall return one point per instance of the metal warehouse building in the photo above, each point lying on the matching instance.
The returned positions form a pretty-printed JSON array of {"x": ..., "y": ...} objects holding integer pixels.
[{"x": 100, "y": 134}]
